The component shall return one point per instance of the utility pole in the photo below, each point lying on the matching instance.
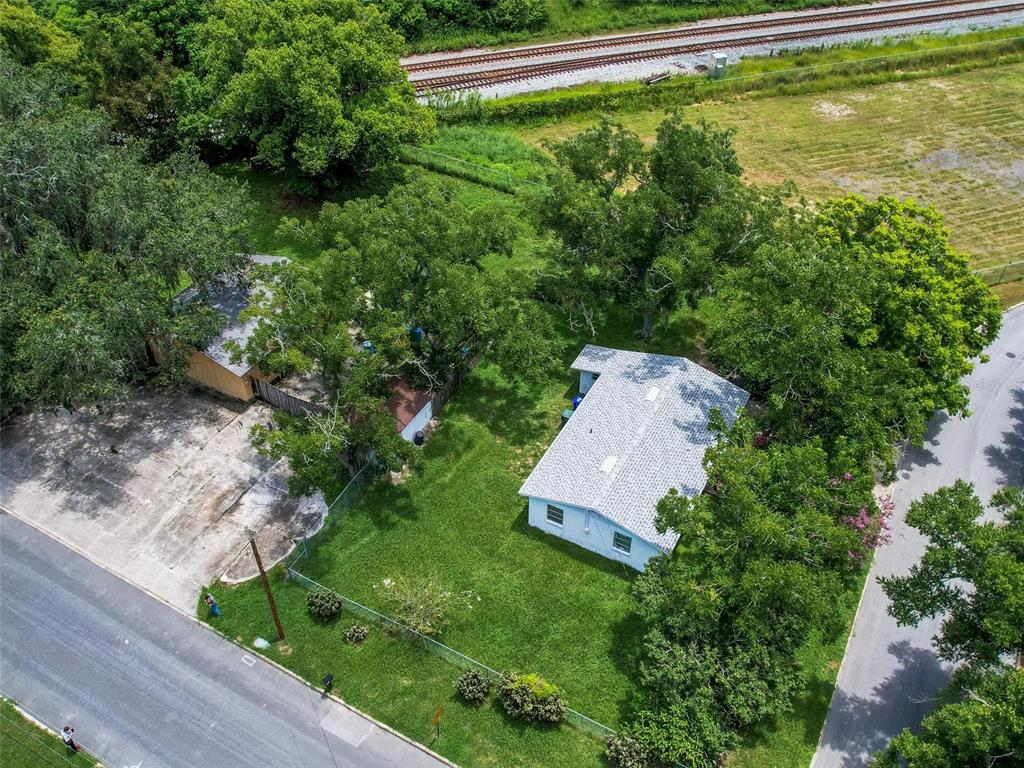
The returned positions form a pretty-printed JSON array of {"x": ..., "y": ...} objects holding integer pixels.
[{"x": 266, "y": 587}]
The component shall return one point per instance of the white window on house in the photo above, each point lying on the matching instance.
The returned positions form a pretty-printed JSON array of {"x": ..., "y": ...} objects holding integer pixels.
[
  {"x": 622, "y": 542},
  {"x": 555, "y": 514}
]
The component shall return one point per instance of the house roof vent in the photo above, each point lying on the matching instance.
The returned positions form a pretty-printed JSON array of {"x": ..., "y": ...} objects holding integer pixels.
[
  {"x": 609, "y": 464},
  {"x": 652, "y": 394}
]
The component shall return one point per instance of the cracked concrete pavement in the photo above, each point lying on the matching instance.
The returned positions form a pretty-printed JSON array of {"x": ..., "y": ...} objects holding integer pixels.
[{"x": 163, "y": 488}]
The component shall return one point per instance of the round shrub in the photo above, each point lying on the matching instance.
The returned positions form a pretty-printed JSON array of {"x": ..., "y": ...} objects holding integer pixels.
[
  {"x": 473, "y": 686},
  {"x": 515, "y": 15},
  {"x": 532, "y": 698},
  {"x": 624, "y": 752},
  {"x": 356, "y": 634},
  {"x": 323, "y": 604}
]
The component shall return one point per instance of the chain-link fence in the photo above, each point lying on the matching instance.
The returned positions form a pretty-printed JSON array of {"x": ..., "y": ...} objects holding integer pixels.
[
  {"x": 1005, "y": 273},
  {"x": 395, "y": 628},
  {"x": 343, "y": 501}
]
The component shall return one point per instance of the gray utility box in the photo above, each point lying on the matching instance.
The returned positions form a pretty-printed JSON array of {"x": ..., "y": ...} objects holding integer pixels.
[{"x": 716, "y": 64}]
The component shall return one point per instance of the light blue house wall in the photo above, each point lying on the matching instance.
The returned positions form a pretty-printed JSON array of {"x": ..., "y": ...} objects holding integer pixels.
[
  {"x": 591, "y": 531},
  {"x": 587, "y": 380},
  {"x": 419, "y": 421}
]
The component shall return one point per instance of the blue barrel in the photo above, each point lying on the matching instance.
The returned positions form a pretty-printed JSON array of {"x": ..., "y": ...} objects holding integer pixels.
[{"x": 576, "y": 401}]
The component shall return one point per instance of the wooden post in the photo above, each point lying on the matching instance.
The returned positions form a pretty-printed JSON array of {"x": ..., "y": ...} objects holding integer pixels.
[{"x": 266, "y": 587}]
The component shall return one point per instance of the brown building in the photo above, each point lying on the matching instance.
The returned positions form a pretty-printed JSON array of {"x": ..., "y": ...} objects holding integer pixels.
[{"x": 212, "y": 366}]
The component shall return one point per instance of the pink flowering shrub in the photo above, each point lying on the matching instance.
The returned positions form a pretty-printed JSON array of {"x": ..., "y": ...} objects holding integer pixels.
[{"x": 873, "y": 526}]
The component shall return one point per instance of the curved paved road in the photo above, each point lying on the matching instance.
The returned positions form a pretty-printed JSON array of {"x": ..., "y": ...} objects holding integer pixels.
[
  {"x": 146, "y": 687},
  {"x": 890, "y": 673}
]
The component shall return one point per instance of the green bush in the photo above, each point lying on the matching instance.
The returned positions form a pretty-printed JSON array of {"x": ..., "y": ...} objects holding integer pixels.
[
  {"x": 532, "y": 698},
  {"x": 625, "y": 752},
  {"x": 515, "y": 15},
  {"x": 473, "y": 686},
  {"x": 323, "y": 604},
  {"x": 356, "y": 634}
]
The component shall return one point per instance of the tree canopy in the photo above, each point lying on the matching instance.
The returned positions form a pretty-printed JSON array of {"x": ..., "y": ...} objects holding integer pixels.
[
  {"x": 858, "y": 323},
  {"x": 309, "y": 84},
  {"x": 971, "y": 573},
  {"x": 640, "y": 225},
  {"x": 96, "y": 243},
  {"x": 982, "y": 726},
  {"x": 765, "y": 557},
  {"x": 403, "y": 275}
]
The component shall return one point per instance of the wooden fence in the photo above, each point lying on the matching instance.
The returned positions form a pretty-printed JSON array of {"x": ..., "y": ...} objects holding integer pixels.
[{"x": 278, "y": 398}]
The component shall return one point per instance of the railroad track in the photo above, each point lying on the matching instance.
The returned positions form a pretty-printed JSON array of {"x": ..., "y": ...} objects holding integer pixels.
[
  {"x": 482, "y": 78},
  {"x": 657, "y": 36}
]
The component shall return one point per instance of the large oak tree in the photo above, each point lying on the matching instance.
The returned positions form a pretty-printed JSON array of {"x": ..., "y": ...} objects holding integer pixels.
[
  {"x": 309, "y": 84},
  {"x": 95, "y": 245}
]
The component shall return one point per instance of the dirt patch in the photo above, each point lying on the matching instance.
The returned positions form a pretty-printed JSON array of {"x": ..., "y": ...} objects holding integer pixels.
[{"x": 830, "y": 111}]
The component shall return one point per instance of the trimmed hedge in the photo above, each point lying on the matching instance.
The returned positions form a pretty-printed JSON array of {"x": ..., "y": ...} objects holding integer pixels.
[
  {"x": 473, "y": 686},
  {"x": 356, "y": 634}
]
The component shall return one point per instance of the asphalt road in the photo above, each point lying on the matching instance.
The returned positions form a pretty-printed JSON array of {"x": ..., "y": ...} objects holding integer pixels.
[
  {"x": 890, "y": 674},
  {"x": 144, "y": 686}
]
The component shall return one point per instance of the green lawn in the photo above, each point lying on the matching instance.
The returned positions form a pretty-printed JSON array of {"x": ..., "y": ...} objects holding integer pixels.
[
  {"x": 954, "y": 142},
  {"x": 544, "y": 605},
  {"x": 23, "y": 744}
]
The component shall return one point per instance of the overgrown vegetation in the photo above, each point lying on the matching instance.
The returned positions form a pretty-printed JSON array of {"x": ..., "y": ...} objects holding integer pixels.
[
  {"x": 96, "y": 244},
  {"x": 403, "y": 277},
  {"x": 313, "y": 85},
  {"x": 841, "y": 378},
  {"x": 852, "y": 321}
]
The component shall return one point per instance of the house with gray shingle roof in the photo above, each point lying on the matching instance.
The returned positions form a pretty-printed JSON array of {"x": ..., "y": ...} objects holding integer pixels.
[{"x": 640, "y": 430}]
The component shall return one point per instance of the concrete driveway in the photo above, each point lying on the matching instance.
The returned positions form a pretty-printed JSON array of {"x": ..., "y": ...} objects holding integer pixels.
[
  {"x": 163, "y": 489},
  {"x": 891, "y": 674}
]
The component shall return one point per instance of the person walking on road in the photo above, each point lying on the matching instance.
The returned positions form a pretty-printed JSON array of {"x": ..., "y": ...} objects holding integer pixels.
[
  {"x": 211, "y": 603},
  {"x": 67, "y": 735}
]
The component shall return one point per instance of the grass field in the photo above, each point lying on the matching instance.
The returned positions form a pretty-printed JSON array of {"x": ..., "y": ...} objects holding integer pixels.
[
  {"x": 955, "y": 142},
  {"x": 23, "y": 744}
]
